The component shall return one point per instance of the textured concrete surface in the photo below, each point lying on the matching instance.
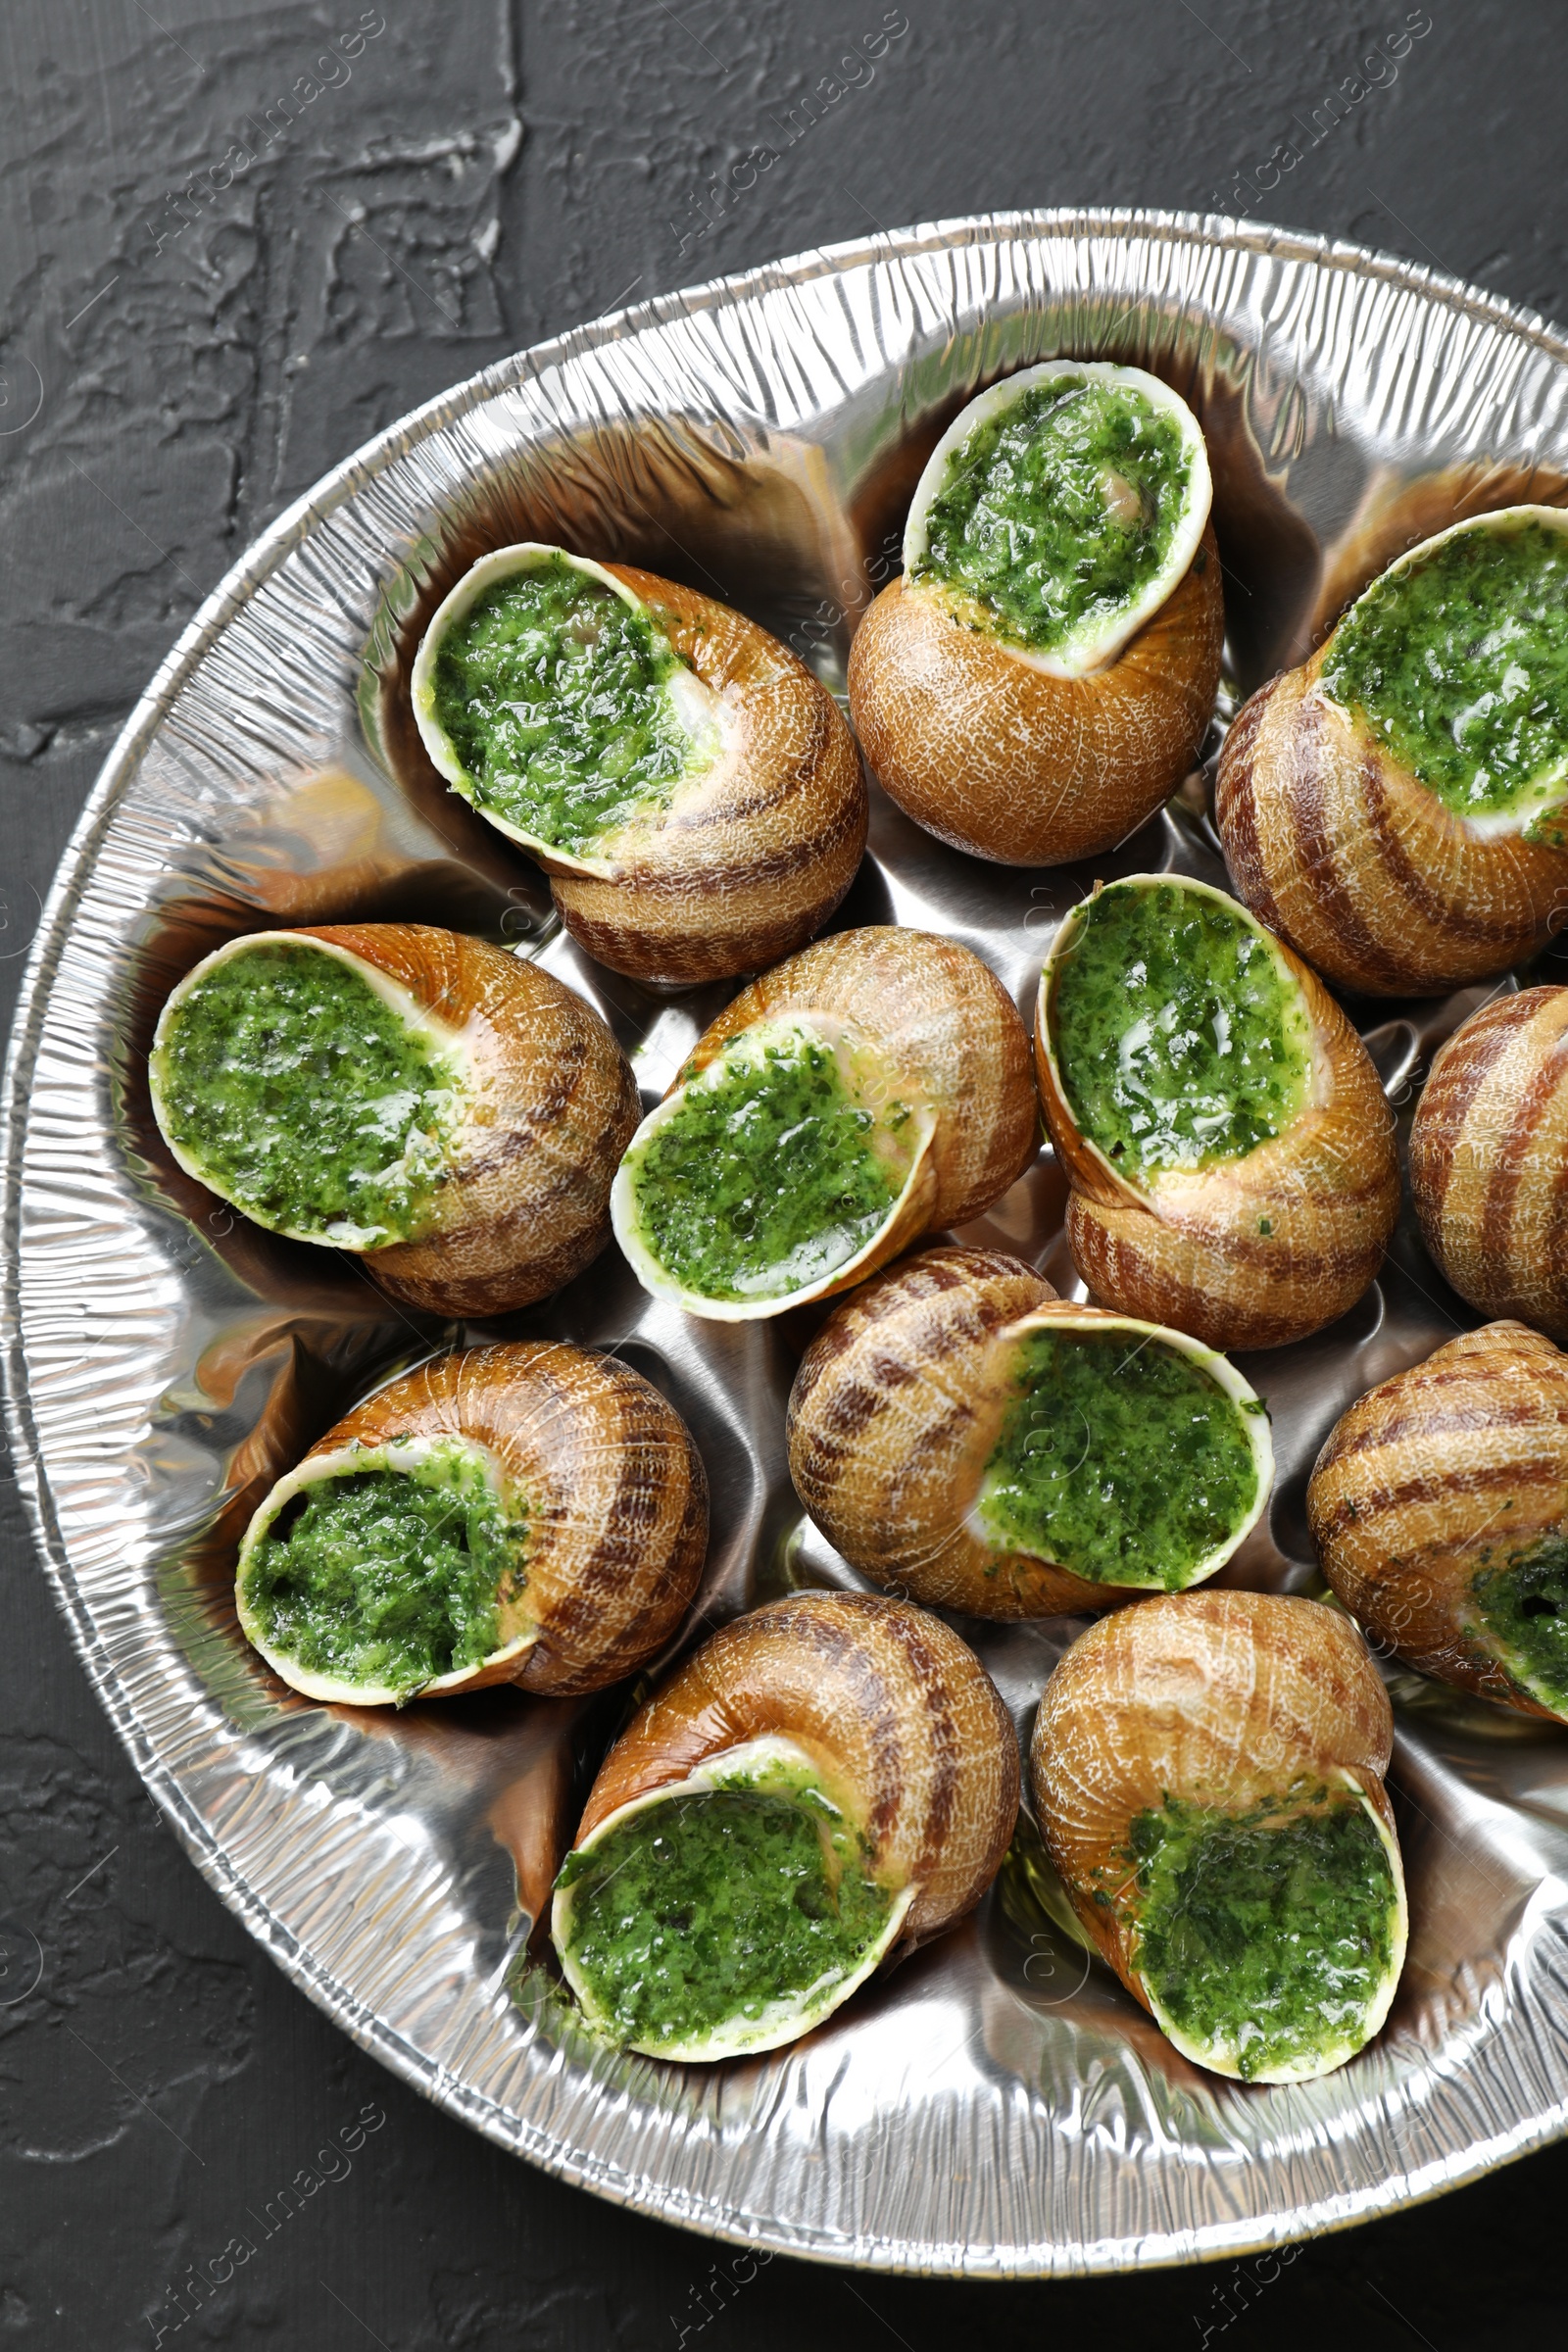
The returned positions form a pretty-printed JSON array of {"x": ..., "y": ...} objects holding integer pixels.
[{"x": 237, "y": 238}]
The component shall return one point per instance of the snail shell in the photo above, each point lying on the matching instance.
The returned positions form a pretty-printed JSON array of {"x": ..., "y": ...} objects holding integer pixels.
[
  {"x": 934, "y": 1030},
  {"x": 1253, "y": 1251},
  {"x": 1488, "y": 1149},
  {"x": 1338, "y": 846},
  {"x": 549, "y": 1105},
  {"x": 993, "y": 748},
  {"x": 897, "y": 1411},
  {"x": 755, "y": 851},
  {"x": 896, "y": 1720},
  {"x": 605, "y": 1475},
  {"x": 1435, "y": 1491},
  {"x": 1227, "y": 1702}
]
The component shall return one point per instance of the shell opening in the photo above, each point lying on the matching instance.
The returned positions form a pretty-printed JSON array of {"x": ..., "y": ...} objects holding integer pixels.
[
  {"x": 1179, "y": 1036},
  {"x": 1519, "y": 1596},
  {"x": 1060, "y": 509},
  {"x": 1129, "y": 1454},
  {"x": 310, "y": 1091},
  {"x": 1457, "y": 658},
  {"x": 374, "y": 1573},
  {"x": 771, "y": 1175},
  {"x": 547, "y": 695},
  {"x": 724, "y": 1913},
  {"x": 1269, "y": 1942}
]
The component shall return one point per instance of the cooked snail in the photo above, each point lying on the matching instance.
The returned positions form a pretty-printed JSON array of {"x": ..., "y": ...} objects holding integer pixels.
[
  {"x": 1208, "y": 1772},
  {"x": 1040, "y": 679},
  {"x": 825, "y": 1778},
  {"x": 528, "y": 1514},
  {"x": 961, "y": 1434},
  {"x": 874, "y": 1088},
  {"x": 688, "y": 785},
  {"x": 430, "y": 1103},
  {"x": 1439, "y": 1509},
  {"x": 1395, "y": 808},
  {"x": 1488, "y": 1149},
  {"x": 1230, "y": 1150}
]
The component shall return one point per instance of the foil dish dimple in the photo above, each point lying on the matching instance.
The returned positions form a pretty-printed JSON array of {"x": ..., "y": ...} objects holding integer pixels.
[{"x": 997, "y": 2105}]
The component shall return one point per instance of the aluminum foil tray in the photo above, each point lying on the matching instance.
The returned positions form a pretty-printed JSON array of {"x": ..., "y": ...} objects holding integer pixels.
[{"x": 997, "y": 2105}]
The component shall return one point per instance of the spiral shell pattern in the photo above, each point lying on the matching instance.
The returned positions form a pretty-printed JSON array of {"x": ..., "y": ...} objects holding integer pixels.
[
  {"x": 1342, "y": 853},
  {"x": 997, "y": 757},
  {"x": 1454, "y": 1470},
  {"x": 616, "y": 1496},
  {"x": 1488, "y": 1159},
  {"x": 905, "y": 1725}
]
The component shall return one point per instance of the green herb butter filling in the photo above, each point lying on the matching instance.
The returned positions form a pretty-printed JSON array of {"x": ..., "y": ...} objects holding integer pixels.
[
  {"x": 555, "y": 695},
  {"x": 1179, "y": 1037},
  {"x": 1059, "y": 511},
  {"x": 302, "y": 1097},
  {"x": 388, "y": 1578},
  {"x": 1120, "y": 1458},
  {"x": 1522, "y": 1599},
  {"x": 701, "y": 1912},
  {"x": 1265, "y": 1936},
  {"x": 1459, "y": 663},
  {"x": 771, "y": 1173}
]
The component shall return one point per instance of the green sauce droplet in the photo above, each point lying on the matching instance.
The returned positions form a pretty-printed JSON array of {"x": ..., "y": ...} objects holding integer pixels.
[
  {"x": 1057, "y": 512},
  {"x": 1459, "y": 664},
  {"x": 1179, "y": 1038}
]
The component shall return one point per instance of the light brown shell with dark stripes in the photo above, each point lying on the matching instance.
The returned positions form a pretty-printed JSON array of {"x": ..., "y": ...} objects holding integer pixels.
[
  {"x": 1448, "y": 1469},
  {"x": 1186, "y": 1247},
  {"x": 527, "y": 1204},
  {"x": 904, "y": 1724},
  {"x": 1340, "y": 849},
  {"x": 1489, "y": 1158},
  {"x": 613, "y": 1492},
  {"x": 895, "y": 1413},
  {"x": 942, "y": 1028},
  {"x": 1220, "y": 1698},
  {"x": 999, "y": 759}
]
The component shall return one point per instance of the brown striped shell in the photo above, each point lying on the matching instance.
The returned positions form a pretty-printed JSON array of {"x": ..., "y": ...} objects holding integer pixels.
[
  {"x": 550, "y": 1106},
  {"x": 1006, "y": 761},
  {"x": 897, "y": 1409},
  {"x": 1489, "y": 1158},
  {"x": 606, "y": 1477},
  {"x": 755, "y": 853},
  {"x": 1341, "y": 851},
  {"x": 1454, "y": 1471},
  {"x": 899, "y": 1714},
  {"x": 1250, "y": 1253},
  {"x": 942, "y": 1033},
  {"x": 1224, "y": 1699}
]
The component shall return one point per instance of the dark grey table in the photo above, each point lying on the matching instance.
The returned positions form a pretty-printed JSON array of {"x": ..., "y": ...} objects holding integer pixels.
[{"x": 237, "y": 238}]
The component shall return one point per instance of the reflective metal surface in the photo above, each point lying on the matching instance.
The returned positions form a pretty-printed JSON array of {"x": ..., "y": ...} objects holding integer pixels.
[{"x": 998, "y": 2104}]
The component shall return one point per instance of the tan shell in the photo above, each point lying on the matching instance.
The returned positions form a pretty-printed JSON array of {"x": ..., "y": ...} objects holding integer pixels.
[
  {"x": 1435, "y": 1474},
  {"x": 1004, "y": 760},
  {"x": 615, "y": 1492},
  {"x": 896, "y": 1411},
  {"x": 753, "y": 855},
  {"x": 1223, "y": 1699},
  {"x": 554, "y": 1104},
  {"x": 1340, "y": 849},
  {"x": 902, "y": 1719},
  {"x": 1187, "y": 1247},
  {"x": 950, "y": 1040},
  {"x": 1489, "y": 1148}
]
